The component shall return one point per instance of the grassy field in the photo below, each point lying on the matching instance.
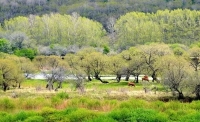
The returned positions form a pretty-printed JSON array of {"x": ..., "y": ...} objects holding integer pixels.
[{"x": 113, "y": 102}]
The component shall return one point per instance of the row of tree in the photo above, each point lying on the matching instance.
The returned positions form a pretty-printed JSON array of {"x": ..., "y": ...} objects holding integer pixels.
[
  {"x": 99, "y": 10},
  {"x": 176, "y": 65},
  {"x": 61, "y": 34}
]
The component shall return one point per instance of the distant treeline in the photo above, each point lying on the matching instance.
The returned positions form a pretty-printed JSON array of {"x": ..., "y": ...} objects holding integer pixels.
[
  {"x": 67, "y": 33},
  {"x": 99, "y": 10}
]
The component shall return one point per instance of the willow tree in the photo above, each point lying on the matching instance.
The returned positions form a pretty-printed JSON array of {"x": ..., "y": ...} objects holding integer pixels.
[
  {"x": 194, "y": 54},
  {"x": 84, "y": 58},
  {"x": 59, "y": 29},
  {"x": 76, "y": 71},
  {"x": 10, "y": 73},
  {"x": 175, "y": 74},
  {"x": 53, "y": 68},
  {"x": 178, "y": 26},
  {"x": 116, "y": 65},
  {"x": 151, "y": 54},
  {"x": 136, "y": 28},
  {"x": 99, "y": 64}
]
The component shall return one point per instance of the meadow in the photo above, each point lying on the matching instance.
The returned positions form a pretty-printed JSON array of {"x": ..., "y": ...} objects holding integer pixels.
[{"x": 113, "y": 102}]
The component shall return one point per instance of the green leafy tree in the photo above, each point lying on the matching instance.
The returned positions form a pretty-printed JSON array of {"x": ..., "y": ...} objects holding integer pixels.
[
  {"x": 5, "y": 46},
  {"x": 176, "y": 74},
  {"x": 53, "y": 68},
  {"x": 116, "y": 64},
  {"x": 10, "y": 73},
  {"x": 28, "y": 53},
  {"x": 151, "y": 54},
  {"x": 194, "y": 54}
]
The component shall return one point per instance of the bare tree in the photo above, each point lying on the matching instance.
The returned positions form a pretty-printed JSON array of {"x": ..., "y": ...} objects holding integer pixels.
[
  {"x": 176, "y": 75},
  {"x": 151, "y": 53},
  {"x": 195, "y": 58},
  {"x": 53, "y": 68}
]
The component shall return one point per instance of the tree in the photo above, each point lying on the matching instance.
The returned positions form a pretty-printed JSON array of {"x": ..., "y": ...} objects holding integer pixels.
[
  {"x": 28, "y": 53},
  {"x": 195, "y": 84},
  {"x": 53, "y": 68},
  {"x": 175, "y": 75},
  {"x": 5, "y": 46},
  {"x": 83, "y": 61},
  {"x": 151, "y": 53},
  {"x": 116, "y": 64},
  {"x": 76, "y": 71},
  {"x": 194, "y": 54},
  {"x": 98, "y": 63},
  {"x": 10, "y": 74},
  {"x": 27, "y": 67}
]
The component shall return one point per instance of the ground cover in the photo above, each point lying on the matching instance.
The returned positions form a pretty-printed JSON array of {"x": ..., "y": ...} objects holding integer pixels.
[{"x": 111, "y": 102}]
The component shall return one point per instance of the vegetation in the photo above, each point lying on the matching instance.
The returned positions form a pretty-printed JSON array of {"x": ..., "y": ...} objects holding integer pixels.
[
  {"x": 94, "y": 105},
  {"x": 75, "y": 44}
]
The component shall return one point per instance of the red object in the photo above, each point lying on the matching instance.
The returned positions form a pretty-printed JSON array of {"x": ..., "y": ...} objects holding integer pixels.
[
  {"x": 131, "y": 84},
  {"x": 145, "y": 78}
]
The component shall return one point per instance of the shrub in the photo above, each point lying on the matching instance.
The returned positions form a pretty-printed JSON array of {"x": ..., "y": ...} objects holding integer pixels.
[
  {"x": 147, "y": 115},
  {"x": 139, "y": 115},
  {"x": 93, "y": 104},
  {"x": 34, "y": 119},
  {"x": 55, "y": 101},
  {"x": 195, "y": 105},
  {"x": 101, "y": 118},
  {"x": 30, "y": 104},
  {"x": 172, "y": 115},
  {"x": 62, "y": 95},
  {"x": 7, "y": 104},
  {"x": 121, "y": 115},
  {"x": 5, "y": 117},
  {"x": 21, "y": 116},
  {"x": 81, "y": 115},
  {"x": 194, "y": 117},
  {"x": 158, "y": 105},
  {"x": 60, "y": 115}
]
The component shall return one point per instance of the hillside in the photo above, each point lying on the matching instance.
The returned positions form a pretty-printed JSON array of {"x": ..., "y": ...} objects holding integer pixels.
[{"x": 99, "y": 10}]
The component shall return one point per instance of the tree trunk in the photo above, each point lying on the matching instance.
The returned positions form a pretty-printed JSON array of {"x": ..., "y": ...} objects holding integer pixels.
[
  {"x": 89, "y": 78},
  {"x": 97, "y": 77},
  {"x": 180, "y": 95},
  {"x": 154, "y": 76},
  {"x": 127, "y": 77},
  {"x": 49, "y": 86},
  {"x": 137, "y": 79},
  {"x": 118, "y": 77},
  {"x": 19, "y": 86},
  {"x": 197, "y": 92},
  {"x": 5, "y": 86},
  {"x": 60, "y": 84}
]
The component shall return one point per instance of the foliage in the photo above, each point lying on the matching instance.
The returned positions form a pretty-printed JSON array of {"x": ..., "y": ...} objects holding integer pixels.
[
  {"x": 10, "y": 73},
  {"x": 28, "y": 53},
  {"x": 5, "y": 46}
]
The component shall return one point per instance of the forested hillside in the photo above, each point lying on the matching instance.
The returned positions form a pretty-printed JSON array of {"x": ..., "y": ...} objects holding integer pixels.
[
  {"x": 64, "y": 26},
  {"x": 99, "y": 10}
]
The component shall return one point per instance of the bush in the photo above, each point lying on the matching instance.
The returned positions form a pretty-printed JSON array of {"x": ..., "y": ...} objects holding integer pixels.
[
  {"x": 7, "y": 104},
  {"x": 62, "y": 95},
  {"x": 81, "y": 115},
  {"x": 5, "y": 117},
  {"x": 47, "y": 111},
  {"x": 172, "y": 115},
  {"x": 22, "y": 116},
  {"x": 147, "y": 115},
  {"x": 55, "y": 101},
  {"x": 194, "y": 117},
  {"x": 121, "y": 115},
  {"x": 101, "y": 119},
  {"x": 35, "y": 119},
  {"x": 93, "y": 104},
  {"x": 139, "y": 115}
]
